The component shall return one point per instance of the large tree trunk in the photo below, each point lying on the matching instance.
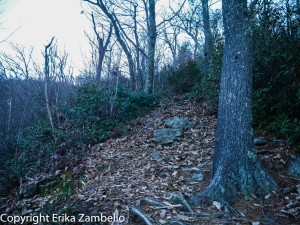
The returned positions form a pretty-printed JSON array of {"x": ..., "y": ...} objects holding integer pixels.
[
  {"x": 236, "y": 167},
  {"x": 208, "y": 44},
  {"x": 151, "y": 46}
]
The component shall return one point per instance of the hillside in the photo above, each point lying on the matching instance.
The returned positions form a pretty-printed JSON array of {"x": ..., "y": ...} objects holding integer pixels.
[{"x": 134, "y": 177}]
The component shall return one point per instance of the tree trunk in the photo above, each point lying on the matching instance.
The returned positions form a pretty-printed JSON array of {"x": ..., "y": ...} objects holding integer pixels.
[
  {"x": 99, "y": 64},
  {"x": 151, "y": 46},
  {"x": 114, "y": 20},
  {"x": 47, "y": 74},
  {"x": 139, "y": 82},
  {"x": 236, "y": 168},
  {"x": 298, "y": 19},
  {"x": 207, "y": 36}
]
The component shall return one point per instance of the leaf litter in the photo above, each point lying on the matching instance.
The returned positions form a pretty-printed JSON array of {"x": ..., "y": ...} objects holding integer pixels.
[{"x": 122, "y": 176}]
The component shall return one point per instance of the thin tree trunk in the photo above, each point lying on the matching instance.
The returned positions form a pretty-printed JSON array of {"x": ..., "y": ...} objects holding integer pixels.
[
  {"x": 151, "y": 47},
  {"x": 139, "y": 82},
  {"x": 298, "y": 18},
  {"x": 113, "y": 19},
  {"x": 207, "y": 36},
  {"x": 236, "y": 167},
  {"x": 47, "y": 74}
]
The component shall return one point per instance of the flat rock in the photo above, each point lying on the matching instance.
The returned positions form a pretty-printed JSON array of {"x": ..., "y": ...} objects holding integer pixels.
[
  {"x": 294, "y": 166},
  {"x": 195, "y": 178},
  {"x": 192, "y": 170},
  {"x": 167, "y": 135},
  {"x": 156, "y": 156},
  {"x": 179, "y": 123}
]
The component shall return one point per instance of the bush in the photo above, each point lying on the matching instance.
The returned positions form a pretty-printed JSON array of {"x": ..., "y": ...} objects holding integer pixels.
[
  {"x": 185, "y": 77},
  {"x": 94, "y": 113}
]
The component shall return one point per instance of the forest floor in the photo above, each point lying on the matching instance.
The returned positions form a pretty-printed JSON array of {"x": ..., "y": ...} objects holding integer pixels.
[{"x": 120, "y": 173}]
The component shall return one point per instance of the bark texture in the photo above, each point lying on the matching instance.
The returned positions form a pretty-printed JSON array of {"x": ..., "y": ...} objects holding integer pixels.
[
  {"x": 208, "y": 44},
  {"x": 151, "y": 46},
  {"x": 236, "y": 167}
]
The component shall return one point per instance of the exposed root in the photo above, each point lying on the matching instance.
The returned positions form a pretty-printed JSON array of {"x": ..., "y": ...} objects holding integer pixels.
[
  {"x": 229, "y": 181},
  {"x": 140, "y": 215}
]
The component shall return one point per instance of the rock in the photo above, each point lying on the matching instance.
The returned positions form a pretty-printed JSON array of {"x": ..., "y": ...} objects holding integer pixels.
[
  {"x": 192, "y": 170},
  {"x": 179, "y": 123},
  {"x": 167, "y": 135},
  {"x": 195, "y": 178},
  {"x": 260, "y": 141},
  {"x": 294, "y": 166},
  {"x": 164, "y": 174},
  {"x": 156, "y": 156}
]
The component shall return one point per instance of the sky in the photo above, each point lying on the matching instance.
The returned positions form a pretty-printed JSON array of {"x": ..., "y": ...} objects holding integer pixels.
[{"x": 35, "y": 22}]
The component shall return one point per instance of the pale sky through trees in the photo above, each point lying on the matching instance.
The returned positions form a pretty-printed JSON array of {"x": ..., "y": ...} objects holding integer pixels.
[
  {"x": 38, "y": 21},
  {"x": 35, "y": 22}
]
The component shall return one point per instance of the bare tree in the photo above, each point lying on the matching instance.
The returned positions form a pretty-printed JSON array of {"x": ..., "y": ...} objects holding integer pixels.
[
  {"x": 171, "y": 39},
  {"x": 152, "y": 34},
  {"x": 47, "y": 54},
  {"x": 101, "y": 46},
  {"x": 117, "y": 30},
  {"x": 190, "y": 21}
]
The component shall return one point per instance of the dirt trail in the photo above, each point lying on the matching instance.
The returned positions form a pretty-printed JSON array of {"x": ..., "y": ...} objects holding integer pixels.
[{"x": 121, "y": 172}]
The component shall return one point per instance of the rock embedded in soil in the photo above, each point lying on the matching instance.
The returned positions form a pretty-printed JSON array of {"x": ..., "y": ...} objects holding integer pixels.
[
  {"x": 178, "y": 123},
  {"x": 167, "y": 135},
  {"x": 195, "y": 178},
  {"x": 156, "y": 156},
  {"x": 294, "y": 166}
]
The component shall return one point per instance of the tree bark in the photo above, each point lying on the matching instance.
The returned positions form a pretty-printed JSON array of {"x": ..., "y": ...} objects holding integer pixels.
[
  {"x": 151, "y": 47},
  {"x": 47, "y": 75},
  {"x": 207, "y": 36},
  {"x": 298, "y": 19},
  {"x": 101, "y": 47},
  {"x": 139, "y": 82},
  {"x": 236, "y": 168}
]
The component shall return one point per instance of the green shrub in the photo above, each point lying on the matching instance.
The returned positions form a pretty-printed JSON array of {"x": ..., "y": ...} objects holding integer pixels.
[{"x": 185, "y": 77}]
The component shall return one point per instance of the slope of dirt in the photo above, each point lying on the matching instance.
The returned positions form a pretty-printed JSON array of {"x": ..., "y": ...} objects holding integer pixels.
[{"x": 120, "y": 173}]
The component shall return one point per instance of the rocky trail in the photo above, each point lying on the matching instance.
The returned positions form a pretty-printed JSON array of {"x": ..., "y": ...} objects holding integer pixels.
[{"x": 147, "y": 183}]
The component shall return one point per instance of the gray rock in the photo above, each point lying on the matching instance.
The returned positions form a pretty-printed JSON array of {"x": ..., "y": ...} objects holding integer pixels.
[
  {"x": 294, "y": 166},
  {"x": 164, "y": 174},
  {"x": 192, "y": 170},
  {"x": 195, "y": 178},
  {"x": 260, "y": 141},
  {"x": 167, "y": 135},
  {"x": 179, "y": 123},
  {"x": 156, "y": 156}
]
